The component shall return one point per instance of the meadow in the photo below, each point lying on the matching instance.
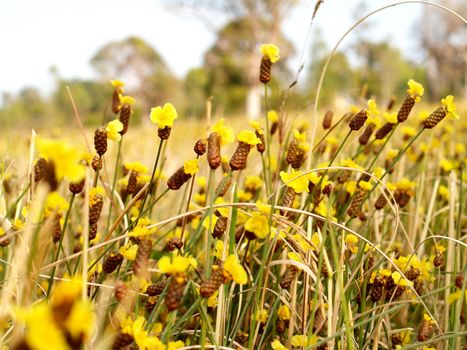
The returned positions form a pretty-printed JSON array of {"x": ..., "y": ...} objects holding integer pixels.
[{"x": 310, "y": 229}]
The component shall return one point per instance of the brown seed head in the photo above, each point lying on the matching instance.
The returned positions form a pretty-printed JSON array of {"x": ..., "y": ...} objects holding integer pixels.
[
  {"x": 157, "y": 288},
  {"x": 39, "y": 169},
  {"x": 358, "y": 120},
  {"x": 219, "y": 227},
  {"x": 116, "y": 100},
  {"x": 76, "y": 187},
  {"x": 405, "y": 109},
  {"x": 214, "y": 150},
  {"x": 178, "y": 179},
  {"x": 434, "y": 118},
  {"x": 121, "y": 341},
  {"x": 357, "y": 201},
  {"x": 96, "y": 163},
  {"x": 382, "y": 132},
  {"x": 238, "y": 160},
  {"x": 164, "y": 133},
  {"x": 125, "y": 113},
  {"x": 363, "y": 139},
  {"x": 288, "y": 276},
  {"x": 174, "y": 243},
  {"x": 265, "y": 70},
  {"x": 173, "y": 299},
  {"x": 327, "y": 120},
  {"x": 200, "y": 147},
  {"x": 100, "y": 140},
  {"x": 261, "y": 147},
  {"x": 209, "y": 286},
  {"x": 141, "y": 263},
  {"x": 96, "y": 208},
  {"x": 112, "y": 261}
]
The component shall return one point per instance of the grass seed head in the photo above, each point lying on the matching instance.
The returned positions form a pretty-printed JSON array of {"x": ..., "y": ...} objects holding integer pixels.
[{"x": 100, "y": 140}]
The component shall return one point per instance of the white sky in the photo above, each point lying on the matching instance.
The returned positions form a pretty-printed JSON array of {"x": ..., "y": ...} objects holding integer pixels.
[{"x": 66, "y": 33}]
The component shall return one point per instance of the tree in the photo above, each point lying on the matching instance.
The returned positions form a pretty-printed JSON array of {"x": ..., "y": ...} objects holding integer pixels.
[
  {"x": 443, "y": 40},
  {"x": 233, "y": 61},
  {"x": 135, "y": 62}
]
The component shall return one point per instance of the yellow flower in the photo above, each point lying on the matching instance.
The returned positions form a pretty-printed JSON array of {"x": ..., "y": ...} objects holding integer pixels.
[
  {"x": 296, "y": 180},
  {"x": 127, "y": 100},
  {"x": 443, "y": 191},
  {"x": 55, "y": 202},
  {"x": 65, "y": 158},
  {"x": 373, "y": 110},
  {"x": 302, "y": 340},
  {"x": 253, "y": 182},
  {"x": 225, "y": 132},
  {"x": 178, "y": 264},
  {"x": 390, "y": 117},
  {"x": 300, "y": 137},
  {"x": 236, "y": 270},
  {"x": 191, "y": 166},
  {"x": 263, "y": 208},
  {"x": 277, "y": 345},
  {"x": 42, "y": 333},
  {"x": 396, "y": 276},
  {"x": 454, "y": 296},
  {"x": 244, "y": 196},
  {"x": 210, "y": 222},
  {"x": 405, "y": 184},
  {"x": 255, "y": 125},
  {"x": 408, "y": 130},
  {"x": 258, "y": 224},
  {"x": 163, "y": 116},
  {"x": 283, "y": 312},
  {"x": 262, "y": 316},
  {"x": 349, "y": 163},
  {"x": 81, "y": 319},
  {"x": 415, "y": 90},
  {"x": 447, "y": 165},
  {"x": 136, "y": 167},
  {"x": 218, "y": 249},
  {"x": 142, "y": 339},
  {"x": 129, "y": 251},
  {"x": 142, "y": 228},
  {"x": 113, "y": 130},
  {"x": 93, "y": 192},
  {"x": 351, "y": 187},
  {"x": 270, "y": 51},
  {"x": 351, "y": 239},
  {"x": 460, "y": 148},
  {"x": 273, "y": 117},
  {"x": 366, "y": 185},
  {"x": 248, "y": 137},
  {"x": 175, "y": 345},
  {"x": 427, "y": 317},
  {"x": 448, "y": 103},
  {"x": 117, "y": 83}
]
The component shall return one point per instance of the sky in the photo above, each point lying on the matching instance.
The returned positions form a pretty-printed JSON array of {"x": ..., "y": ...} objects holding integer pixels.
[{"x": 37, "y": 35}]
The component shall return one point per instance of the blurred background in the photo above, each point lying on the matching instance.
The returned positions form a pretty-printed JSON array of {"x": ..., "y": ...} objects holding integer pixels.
[{"x": 185, "y": 51}]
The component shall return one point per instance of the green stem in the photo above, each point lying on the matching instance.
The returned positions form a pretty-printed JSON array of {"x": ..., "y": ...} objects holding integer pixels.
[
  {"x": 151, "y": 181},
  {"x": 57, "y": 254},
  {"x": 96, "y": 175},
  {"x": 114, "y": 183}
]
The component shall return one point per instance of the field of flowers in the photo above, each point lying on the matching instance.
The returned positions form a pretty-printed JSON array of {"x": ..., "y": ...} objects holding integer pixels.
[{"x": 329, "y": 230}]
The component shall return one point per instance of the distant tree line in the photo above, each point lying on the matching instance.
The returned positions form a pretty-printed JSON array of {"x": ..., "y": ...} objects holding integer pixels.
[{"x": 230, "y": 68}]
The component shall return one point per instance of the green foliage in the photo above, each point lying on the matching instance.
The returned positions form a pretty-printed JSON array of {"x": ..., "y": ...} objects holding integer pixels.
[{"x": 91, "y": 99}]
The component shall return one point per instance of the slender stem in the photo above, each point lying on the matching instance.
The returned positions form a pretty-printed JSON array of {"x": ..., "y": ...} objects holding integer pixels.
[
  {"x": 188, "y": 204},
  {"x": 96, "y": 175},
  {"x": 114, "y": 182},
  {"x": 57, "y": 254},
  {"x": 267, "y": 171},
  {"x": 151, "y": 181}
]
